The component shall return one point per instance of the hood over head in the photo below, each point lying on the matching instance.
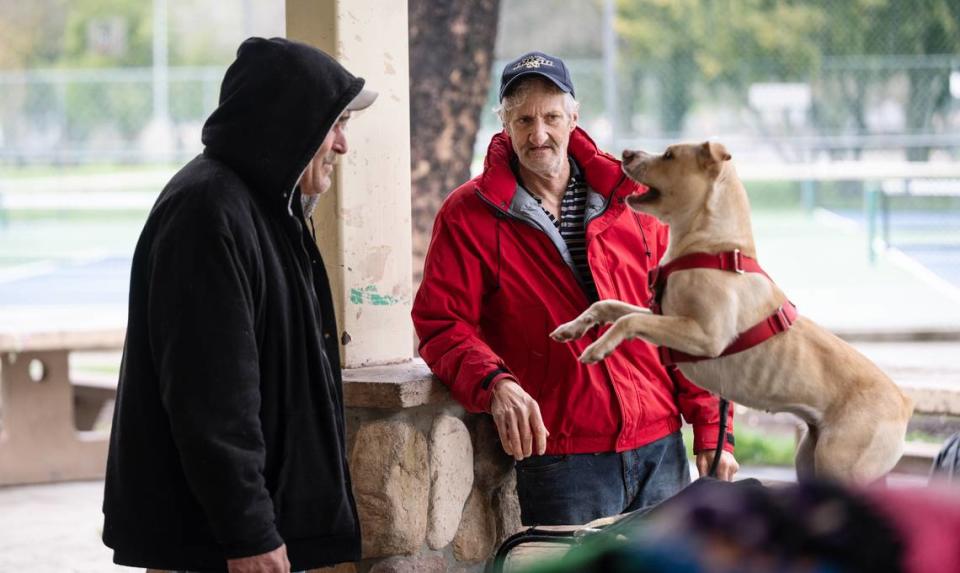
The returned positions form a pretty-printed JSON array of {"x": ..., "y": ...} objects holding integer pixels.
[{"x": 278, "y": 100}]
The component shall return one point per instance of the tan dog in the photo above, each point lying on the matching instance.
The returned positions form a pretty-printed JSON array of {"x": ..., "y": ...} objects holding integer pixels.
[{"x": 856, "y": 416}]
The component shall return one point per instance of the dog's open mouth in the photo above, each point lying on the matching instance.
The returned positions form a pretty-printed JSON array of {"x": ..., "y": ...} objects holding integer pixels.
[{"x": 650, "y": 196}]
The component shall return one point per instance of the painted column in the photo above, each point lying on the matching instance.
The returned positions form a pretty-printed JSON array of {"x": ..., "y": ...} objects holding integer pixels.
[{"x": 363, "y": 223}]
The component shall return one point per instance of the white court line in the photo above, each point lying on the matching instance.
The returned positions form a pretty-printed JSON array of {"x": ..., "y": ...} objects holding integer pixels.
[
  {"x": 78, "y": 201},
  {"x": 892, "y": 254},
  {"x": 828, "y": 217},
  {"x": 49, "y": 266},
  {"x": 28, "y": 270},
  {"x": 61, "y": 186},
  {"x": 912, "y": 266}
]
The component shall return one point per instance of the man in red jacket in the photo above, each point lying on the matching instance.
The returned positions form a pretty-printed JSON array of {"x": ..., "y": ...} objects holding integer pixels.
[{"x": 524, "y": 247}]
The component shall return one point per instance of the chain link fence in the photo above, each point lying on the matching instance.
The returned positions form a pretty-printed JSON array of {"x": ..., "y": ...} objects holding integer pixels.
[
  {"x": 783, "y": 82},
  {"x": 795, "y": 82},
  {"x": 847, "y": 108},
  {"x": 104, "y": 115}
]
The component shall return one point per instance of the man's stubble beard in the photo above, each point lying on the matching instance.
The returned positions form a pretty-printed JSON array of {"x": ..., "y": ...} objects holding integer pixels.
[
  {"x": 309, "y": 202},
  {"x": 547, "y": 167}
]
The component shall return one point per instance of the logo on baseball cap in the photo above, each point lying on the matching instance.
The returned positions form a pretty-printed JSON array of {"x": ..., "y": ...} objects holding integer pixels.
[{"x": 540, "y": 64}]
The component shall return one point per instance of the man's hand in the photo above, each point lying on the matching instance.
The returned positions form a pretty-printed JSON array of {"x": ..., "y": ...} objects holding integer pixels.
[
  {"x": 273, "y": 562},
  {"x": 727, "y": 467},
  {"x": 518, "y": 420}
]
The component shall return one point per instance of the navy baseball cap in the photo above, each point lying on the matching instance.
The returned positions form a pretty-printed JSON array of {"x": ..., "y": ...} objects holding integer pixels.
[{"x": 540, "y": 64}]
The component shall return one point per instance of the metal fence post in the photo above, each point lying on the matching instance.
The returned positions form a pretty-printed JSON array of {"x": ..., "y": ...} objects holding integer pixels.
[
  {"x": 870, "y": 208},
  {"x": 808, "y": 195}
]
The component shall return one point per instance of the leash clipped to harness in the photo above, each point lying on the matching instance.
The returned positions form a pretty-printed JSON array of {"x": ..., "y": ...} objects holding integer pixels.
[
  {"x": 721, "y": 438},
  {"x": 734, "y": 261}
]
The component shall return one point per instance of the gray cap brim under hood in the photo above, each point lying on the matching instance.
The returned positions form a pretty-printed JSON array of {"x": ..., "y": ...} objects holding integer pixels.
[{"x": 278, "y": 100}]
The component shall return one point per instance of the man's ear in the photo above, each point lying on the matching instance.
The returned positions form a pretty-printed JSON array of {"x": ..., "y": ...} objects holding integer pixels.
[{"x": 574, "y": 117}]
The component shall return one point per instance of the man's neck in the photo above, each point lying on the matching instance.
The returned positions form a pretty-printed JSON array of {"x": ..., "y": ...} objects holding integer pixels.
[{"x": 549, "y": 187}]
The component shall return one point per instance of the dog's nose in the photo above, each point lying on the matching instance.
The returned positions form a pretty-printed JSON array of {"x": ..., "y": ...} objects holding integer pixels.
[{"x": 629, "y": 154}]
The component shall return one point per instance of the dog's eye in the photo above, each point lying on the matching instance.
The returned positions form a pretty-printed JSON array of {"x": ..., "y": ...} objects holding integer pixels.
[{"x": 668, "y": 154}]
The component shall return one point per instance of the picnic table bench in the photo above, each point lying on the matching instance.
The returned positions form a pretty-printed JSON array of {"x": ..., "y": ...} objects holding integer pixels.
[{"x": 46, "y": 418}]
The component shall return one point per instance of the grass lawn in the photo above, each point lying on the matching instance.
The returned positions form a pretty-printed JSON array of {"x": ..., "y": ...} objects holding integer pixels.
[{"x": 755, "y": 447}]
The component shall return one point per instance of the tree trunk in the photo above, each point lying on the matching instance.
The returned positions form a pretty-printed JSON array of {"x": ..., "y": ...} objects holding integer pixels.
[{"x": 451, "y": 54}]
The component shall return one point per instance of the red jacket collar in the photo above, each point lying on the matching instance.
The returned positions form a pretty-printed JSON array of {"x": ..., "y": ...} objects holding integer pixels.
[{"x": 498, "y": 184}]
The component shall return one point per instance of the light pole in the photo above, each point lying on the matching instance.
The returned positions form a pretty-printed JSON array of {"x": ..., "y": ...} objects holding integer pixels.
[
  {"x": 162, "y": 139},
  {"x": 610, "y": 67}
]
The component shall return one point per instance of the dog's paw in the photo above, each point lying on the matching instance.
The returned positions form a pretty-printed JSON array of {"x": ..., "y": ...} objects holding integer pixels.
[
  {"x": 594, "y": 353},
  {"x": 567, "y": 332}
]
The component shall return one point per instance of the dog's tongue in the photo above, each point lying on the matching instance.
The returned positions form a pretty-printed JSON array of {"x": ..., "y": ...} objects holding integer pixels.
[{"x": 651, "y": 194}]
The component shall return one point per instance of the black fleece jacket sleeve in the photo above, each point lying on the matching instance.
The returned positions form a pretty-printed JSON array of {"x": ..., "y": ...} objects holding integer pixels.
[{"x": 203, "y": 341}]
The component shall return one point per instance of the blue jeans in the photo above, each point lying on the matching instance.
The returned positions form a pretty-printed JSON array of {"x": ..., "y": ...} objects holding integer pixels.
[{"x": 576, "y": 488}]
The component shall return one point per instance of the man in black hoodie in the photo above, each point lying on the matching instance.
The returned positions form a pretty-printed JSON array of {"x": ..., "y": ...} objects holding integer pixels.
[{"x": 228, "y": 441}]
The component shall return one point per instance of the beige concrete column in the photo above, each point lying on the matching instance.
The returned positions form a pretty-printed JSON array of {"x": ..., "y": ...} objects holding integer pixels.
[{"x": 363, "y": 223}]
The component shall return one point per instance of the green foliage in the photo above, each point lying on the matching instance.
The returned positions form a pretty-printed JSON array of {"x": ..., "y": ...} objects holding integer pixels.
[
  {"x": 191, "y": 46},
  {"x": 894, "y": 29},
  {"x": 730, "y": 44},
  {"x": 30, "y": 32},
  {"x": 187, "y": 101},
  {"x": 922, "y": 436},
  {"x": 769, "y": 195},
  {"x": 89, "y": 106},
  {"x": 54, "y": 33},
  {"x": 136, "y": 17},
  {"x": 759, "y": 448},
  {"x": 889, "y": 27},
  {"x": 755, "y": 447}
]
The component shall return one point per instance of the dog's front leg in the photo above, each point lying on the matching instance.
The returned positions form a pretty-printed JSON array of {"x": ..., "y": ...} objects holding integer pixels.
[
  {"x": 678, "y": 332},
  {"x": 600, "y": 312}
]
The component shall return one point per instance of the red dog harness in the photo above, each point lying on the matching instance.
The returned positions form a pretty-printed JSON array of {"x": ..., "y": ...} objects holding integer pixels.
[{"x": 733, "y": 261}]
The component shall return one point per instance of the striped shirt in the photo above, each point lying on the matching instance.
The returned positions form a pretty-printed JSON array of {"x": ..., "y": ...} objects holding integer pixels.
[{"x": 572, "y": 227}]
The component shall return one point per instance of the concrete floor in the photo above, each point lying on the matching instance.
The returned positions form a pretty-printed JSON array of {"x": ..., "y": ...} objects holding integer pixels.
[{"x": 53, "y": 528}]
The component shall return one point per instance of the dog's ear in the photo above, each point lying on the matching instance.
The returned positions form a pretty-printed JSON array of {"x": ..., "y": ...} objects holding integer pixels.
[
  {"x": 714, "y": 151},
  {"x": 711, "y": 156}
]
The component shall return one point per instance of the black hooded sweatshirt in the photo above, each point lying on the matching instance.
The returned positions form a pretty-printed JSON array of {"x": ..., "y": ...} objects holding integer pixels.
[{"x": 228, "y": 435}]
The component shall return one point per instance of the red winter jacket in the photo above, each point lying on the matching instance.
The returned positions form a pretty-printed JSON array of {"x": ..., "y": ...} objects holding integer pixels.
[{"x": 494, "y": 286}]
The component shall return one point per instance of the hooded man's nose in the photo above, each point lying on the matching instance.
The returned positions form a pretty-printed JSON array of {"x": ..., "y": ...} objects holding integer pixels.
[{"x": 340, "y": 145}]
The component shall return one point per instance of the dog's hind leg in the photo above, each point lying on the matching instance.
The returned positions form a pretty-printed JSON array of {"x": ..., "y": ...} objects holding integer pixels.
[
  {"x": 861, "y": 453},
  {"x": 863, "y": 437},
  {"x": 805, "y": 461}
]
